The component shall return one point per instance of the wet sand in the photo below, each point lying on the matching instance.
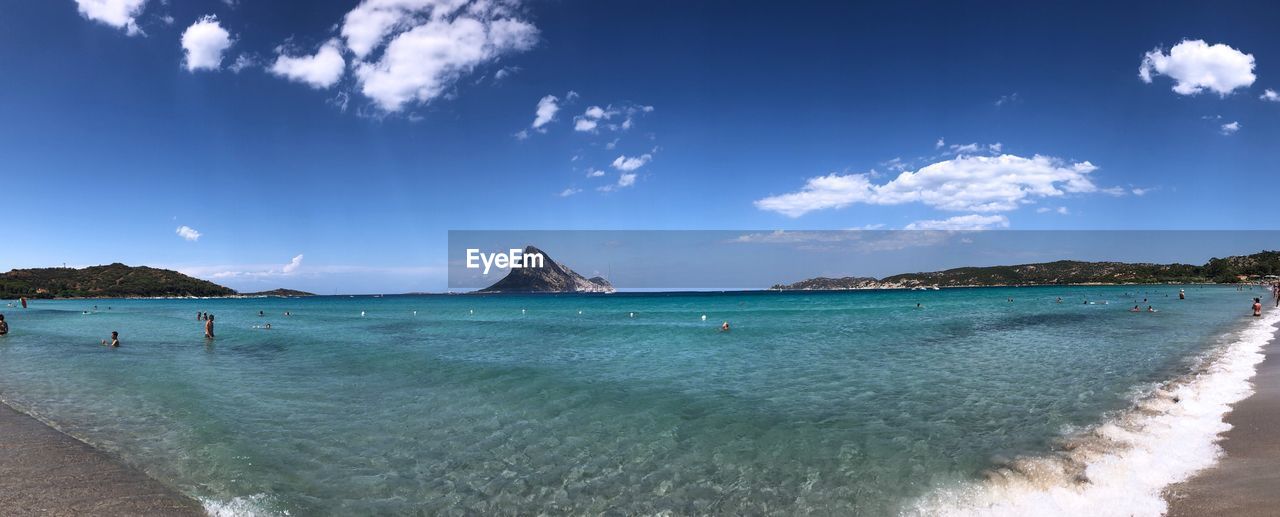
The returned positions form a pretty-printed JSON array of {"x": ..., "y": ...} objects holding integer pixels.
[
  {"x": 45, "y": 472},
  {"x": 1246, "y": 481}
]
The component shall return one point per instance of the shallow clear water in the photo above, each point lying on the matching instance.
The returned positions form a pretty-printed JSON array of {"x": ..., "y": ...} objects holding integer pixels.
[{"x": 829, "y": 403}]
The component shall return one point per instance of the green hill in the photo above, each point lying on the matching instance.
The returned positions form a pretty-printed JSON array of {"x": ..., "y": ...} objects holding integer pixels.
[{"x": 111, "y": 281}]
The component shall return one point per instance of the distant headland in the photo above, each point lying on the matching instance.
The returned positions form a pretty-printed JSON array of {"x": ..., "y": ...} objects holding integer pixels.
[
  {"x": 115, "y": 281},
  {"x": 1259, "y": 266}
]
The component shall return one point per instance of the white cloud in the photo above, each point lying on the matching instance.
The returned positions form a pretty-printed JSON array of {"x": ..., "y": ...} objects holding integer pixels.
[
  {"x": 965, "y": 183},
  {"x": 121, "y": 14},
  {"x": 188, "y": 233},
  {"x": 204, "y": 42},
  {"x": 546, "y": 112},
  {"x": 1007, "y": 99},
  {"x": 940, "y": 143},
  {"x": 962, "y": 222},
  {"x": 1230, "y": 128},
  {"x": 595, "y": 117},
  {"x": 1143, "y": 191},
  {"x": 427, "y": 45},
  {"x": 320, "y": 70},
  {"x": 628, "y": 164},
  {"x": 569, "y": 192},
  {"x": 1270, "y": 95},
  {"x": 1061, "y": 210},
  {"x": 242, "y": 62},
  {"x": 625, "y": 180},
  {"x": 1196, "y": 66},
  {"x": 292, "y": 266},
  {"x": 504, "y": 73},
  {"x": 594, "y": 173}
]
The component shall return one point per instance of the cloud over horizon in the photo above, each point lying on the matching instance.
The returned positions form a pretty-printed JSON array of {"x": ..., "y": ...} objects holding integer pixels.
[{"x": 964, "y": 183}]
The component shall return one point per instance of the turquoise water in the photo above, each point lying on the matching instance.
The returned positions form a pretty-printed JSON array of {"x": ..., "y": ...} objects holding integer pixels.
[{"x": 830, "y": 403}]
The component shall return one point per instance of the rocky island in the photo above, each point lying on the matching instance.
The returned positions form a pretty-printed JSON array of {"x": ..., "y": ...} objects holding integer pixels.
[{"x": 551, "y": 277}]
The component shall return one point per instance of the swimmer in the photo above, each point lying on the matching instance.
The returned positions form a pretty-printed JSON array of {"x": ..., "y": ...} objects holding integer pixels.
[
  {"x": 1149, "y": 309},
  {"x": 115, "y": 340},
  {"x": 1059, "y": 299},
  {"x": 208, "y": 326},
  {"x": 918, "y": 306},
  {"x": 724, "y": 327},
  {"x": 1257, "y": 307},
  {"x": 1135, "y": 309},
  {"x": 261, "y": 314},
  {"x": 361, "y": 314},
  {"x": 4, "y": 327}
]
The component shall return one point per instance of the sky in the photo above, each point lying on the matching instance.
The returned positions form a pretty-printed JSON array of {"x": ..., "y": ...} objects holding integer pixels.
[{"x": 331, "y": 146}]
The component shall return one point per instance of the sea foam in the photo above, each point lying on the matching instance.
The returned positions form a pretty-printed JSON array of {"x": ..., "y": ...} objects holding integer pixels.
[{"x": 1122, "y": 466}]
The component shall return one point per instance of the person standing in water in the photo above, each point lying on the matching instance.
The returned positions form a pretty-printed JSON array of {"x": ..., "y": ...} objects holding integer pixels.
[
  {"x": 4, "y": 327},
  {"x": 1257, "y": 307},
  {"x": 724, "y": 327},
  {"x": 115, "y": 340},
  {"x": 208, "y": 327}
]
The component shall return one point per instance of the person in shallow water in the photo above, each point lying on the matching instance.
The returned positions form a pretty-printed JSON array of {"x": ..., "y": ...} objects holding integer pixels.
[
  {"x": 1257, "y": 306},
  {"x": 1135, "y": 309},
  {"x": 115, "y": 340},
  {"x": 724, "y": 327},
  {"x": 4, "y": 327},
  {"x": 208, "y": 327}
]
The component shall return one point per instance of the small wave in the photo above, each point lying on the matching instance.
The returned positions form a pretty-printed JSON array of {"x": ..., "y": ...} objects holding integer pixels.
[
  {"x": 257, "y": 505},
  {"x": 1122, "y": 466}
]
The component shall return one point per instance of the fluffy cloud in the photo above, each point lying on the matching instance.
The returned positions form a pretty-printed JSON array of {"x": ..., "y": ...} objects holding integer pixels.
[
  {"x": 1061, "y": 210},
  {"x": 594, "y": 173},
  {"x": 965, "y": 183},
  {"x": 546, "y": 112},
  {"x": 630, "y": 163},
  {"x": 1230, "y": 128},
  {"x": 1270, "y": 95},
  {"x": 962, "y": 222},
  {"x": 188, "y": 233},
  {"x": 427, "y": 45},
  {"x": 204, "y": 42},
  {"x": 1196, "y": 66},
  {"x": 569, "y": 192},
  {"x": 121, "y": 14},
  {"x": 292, "y": 266},
  {"x": 320, "y": 70}
]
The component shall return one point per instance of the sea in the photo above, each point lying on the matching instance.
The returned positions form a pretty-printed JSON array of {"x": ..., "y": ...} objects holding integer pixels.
[{"x": 966, "y": 401}]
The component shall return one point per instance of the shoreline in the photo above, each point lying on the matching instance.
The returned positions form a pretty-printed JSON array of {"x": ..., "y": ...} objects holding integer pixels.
[
  {"x": 1243, "y": 480},
  {"x": 44, "y": 471}
]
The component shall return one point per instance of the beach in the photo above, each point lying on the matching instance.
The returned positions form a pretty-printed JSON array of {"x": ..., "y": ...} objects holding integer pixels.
[
  {"x": 1244, "y": 480},
  {"x": 46, "y": 472}
]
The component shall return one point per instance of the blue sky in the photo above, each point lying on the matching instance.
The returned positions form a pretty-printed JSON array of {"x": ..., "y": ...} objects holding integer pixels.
[{"x": 312, "y": 147}]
